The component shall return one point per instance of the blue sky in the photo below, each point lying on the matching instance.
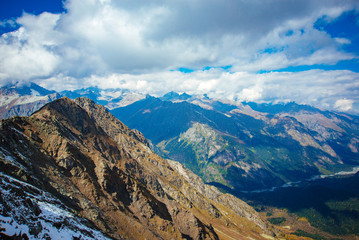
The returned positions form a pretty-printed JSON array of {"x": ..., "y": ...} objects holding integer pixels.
[
  {"x": 280, "y": 50},
  {"x": 13, "y": 9}
]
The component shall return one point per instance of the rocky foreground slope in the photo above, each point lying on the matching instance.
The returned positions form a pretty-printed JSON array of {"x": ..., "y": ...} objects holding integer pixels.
[{"x": 72, "y": 167}]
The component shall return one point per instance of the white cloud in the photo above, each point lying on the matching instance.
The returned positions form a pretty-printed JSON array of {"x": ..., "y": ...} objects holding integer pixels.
[
  {"x": 344, "y": 104},
  {"x": 135, "y": 44},
  {"x": 320, "y": 88},
  {"x": 250, "y": 94},
  {"x": 26, "y": 53},
  {"x": 342, "y": 40}
]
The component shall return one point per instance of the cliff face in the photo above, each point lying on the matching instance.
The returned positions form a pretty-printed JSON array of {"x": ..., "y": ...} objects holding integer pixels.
[{"x": 105, "y": 173}]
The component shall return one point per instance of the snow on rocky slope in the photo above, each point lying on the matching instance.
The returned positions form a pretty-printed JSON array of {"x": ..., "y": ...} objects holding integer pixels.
[{"x": 30, "y": 213}]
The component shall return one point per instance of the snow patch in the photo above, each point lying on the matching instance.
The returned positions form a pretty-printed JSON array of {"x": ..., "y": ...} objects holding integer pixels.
[
  {"x": 7, "y": 99},
  {"x": 51, "y": 210},
  {"x": 110, "y": 95},
  {"x": 35, "y": 93},
  {"x": 9, "y": 159},
  {"x": 11, "y": 228},
  {"x": 7, "y": 156},
  {"x": 16, "y": 99},
  {"x": 19, "y": 132},
  {"x": 27, "y": 211},
  {"x": 124, "y": 100},
  {"x": 31, "y": 99}
]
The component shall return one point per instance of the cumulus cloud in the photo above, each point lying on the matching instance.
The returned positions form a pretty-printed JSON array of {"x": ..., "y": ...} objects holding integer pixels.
[
  {"x": 140, "y": 44},
  {"x": 336, "y": 90},
  {"x": 26, "y": 53},
  {"x": 344, "y": 104}
]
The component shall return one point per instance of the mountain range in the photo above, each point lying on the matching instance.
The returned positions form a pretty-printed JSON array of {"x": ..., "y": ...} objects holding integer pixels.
[
  {"x": 246, "y": 146},
  {"x": 236, "y": 146},
  {"x": 73, "y": 170},
  {"x": 23, "y": 99}
]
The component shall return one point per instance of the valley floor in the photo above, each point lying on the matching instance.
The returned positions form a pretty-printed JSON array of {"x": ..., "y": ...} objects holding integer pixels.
[{"x": 323, "y": 209}]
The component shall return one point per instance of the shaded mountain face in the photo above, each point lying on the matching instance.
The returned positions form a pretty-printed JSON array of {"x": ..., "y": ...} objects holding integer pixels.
[
  {"x": 243, "y": 147},
  {"x": 23, "y": 100},
  {"x": 72, "y": 166}
]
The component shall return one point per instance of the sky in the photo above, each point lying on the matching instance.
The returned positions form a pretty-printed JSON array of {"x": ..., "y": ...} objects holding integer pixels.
[{"x": 244, "y": 50}]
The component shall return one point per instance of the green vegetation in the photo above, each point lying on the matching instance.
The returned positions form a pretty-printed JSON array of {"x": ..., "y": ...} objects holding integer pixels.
[
  {"x": 302, "y": 233},
  {"x": 338, "y": 217},
  {"x": 331, "y": 205},
  {"x": 277, "y": 220}
]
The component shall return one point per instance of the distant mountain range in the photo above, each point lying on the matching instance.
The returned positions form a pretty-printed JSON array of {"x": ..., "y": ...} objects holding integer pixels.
[
  {"x": 237, "y": 146},
  {"x": 73, "y": 171},
  {"x": 23, "y": 99},
  {"x": 246, "y": 146},
  {"x": 110, "y": 98}
]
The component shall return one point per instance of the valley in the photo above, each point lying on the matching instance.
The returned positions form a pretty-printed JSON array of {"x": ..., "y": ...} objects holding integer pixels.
[
  {"x": 234, "y": 146},
  {"x": 324, "y": 208}
]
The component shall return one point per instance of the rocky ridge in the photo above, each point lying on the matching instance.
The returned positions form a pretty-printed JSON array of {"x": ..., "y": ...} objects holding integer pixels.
[{"x": 106, "y": 173}]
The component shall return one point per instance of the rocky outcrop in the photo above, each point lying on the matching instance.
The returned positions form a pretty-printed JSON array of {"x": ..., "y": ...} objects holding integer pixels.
[
  {"x": 105, "y": 173},
  {"x": 111, "y": 125}
]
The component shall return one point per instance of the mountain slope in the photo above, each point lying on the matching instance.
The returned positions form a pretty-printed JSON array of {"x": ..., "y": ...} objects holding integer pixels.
[
  {"x": 105, "y": 173},
  {"x": 159, "y": 120},
  {"x": 23, "y": 100},
  {"x": 238, "y": 148}
]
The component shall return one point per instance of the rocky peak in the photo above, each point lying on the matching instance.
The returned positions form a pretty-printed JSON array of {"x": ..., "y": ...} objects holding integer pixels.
[{"x": 111, "y": 125}]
